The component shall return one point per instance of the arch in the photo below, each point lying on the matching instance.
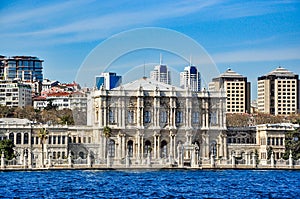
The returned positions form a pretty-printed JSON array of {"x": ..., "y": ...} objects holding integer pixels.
[
  {"x": 130, "y": 148},
  {"x": 164, "y": 149},
  {"x": 25, "y": 141},
  {"x": 11, "y": 136},
  {"x": 147, "y": 147},
  {"x": 19, "y": 138},
  {"x": 81, "y": 154},
  {"x": 111, "y": 148}
]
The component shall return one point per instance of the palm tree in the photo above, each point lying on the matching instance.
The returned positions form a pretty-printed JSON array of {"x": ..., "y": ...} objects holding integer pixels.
[
  {"x": 43, "y": 135},
  {"x": 107, "y": 134}
]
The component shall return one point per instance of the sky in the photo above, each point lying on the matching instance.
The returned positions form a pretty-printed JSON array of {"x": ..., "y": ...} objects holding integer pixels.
[{"x": 250, "y": 37}]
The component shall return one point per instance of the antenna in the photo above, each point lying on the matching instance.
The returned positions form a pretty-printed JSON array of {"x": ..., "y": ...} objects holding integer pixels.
[
  {"x": 160, "y": 59},
  {"x": 190, "y": 60},
  {"x": 144, "y": 70}
]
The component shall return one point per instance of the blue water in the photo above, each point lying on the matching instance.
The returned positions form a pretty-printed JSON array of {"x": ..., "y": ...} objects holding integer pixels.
[{"x": 151, "y": 184}]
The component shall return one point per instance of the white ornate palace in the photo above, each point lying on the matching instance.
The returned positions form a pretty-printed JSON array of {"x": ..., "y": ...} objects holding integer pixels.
[{"x": 145, "y": 124}]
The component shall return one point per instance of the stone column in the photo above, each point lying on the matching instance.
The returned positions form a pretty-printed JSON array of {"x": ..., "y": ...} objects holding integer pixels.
[
  {"x": 70, "y": 159},
  {"x": 124, "y": 153},
  {"x": 174, "y": 147},
  {"x": 142, "y": 148},
  {"x": 158, "y": 146},
  {"x": 89, "y": 160},
  {"x": 155, "y": 142},
  {"x": 2, "y": 160},
  {"x": 29, "y": 158},
  {"x": 272, "y": 160},
  {"x": 253, "y": 160},
  {"x": 290, "y": 159}
]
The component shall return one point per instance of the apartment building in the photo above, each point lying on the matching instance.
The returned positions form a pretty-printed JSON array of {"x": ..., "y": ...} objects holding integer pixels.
[
  {"x": 237, "y": 90},
  {"x": 278, "y": 92}
]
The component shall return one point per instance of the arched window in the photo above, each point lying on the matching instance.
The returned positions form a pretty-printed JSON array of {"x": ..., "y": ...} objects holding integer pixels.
[
  {"x": 19, "y": 138},
  {"x": 111, "y": 148},
  {"x": 25, "y": 138},
  {"x": 11, "y": 137},
  {"x": 130, "y": 148},
  {"x": 164, "y": 149},
  {"x": 81, "y": 155},
  {"x": 54, "y": 155},
  {"x": 147, "y": 147}
]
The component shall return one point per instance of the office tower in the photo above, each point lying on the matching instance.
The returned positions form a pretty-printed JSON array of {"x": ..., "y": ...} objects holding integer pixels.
[
  {"x": 278, "y": 92},
  {"x": 237, "y": 90},
  {"x": 25, "y": 68},
  {"x": 161, "y": 74},
  {"x": 108, "y": 80},
  {"x": 190, "y": 78}
]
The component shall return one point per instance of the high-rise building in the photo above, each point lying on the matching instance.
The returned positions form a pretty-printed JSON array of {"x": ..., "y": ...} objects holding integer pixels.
[
  {"x": 25, "y": 68},
  {"x": 278, "y": 92},
  {"x": 108, "y": 80},
  {"x": 15, "y": 94},
  {"x": 237, "y": 91},
  {"x": 161, "y": 74},
  {"x": 190, "y": 78}
]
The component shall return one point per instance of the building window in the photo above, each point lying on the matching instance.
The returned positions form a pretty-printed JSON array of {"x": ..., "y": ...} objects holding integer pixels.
[
  {"x": 130, "y": 148},
  {"x": 213, "y": 117},
  {"x": 163, "y": 117},
  {"x": 111, "y": 148},
  {"x": 111, "y": 117},
  {"x": 130, "y": 117},
  {"x": 147, "y": 148},
  {"x": 147, "y": 117},
  {"x": 25, "y": 138},
  {"x": 179, "y": 117},
  {"x": 18, "y": 138},
  {"x": 164, "y": 149},
  {"x": 195, "y": 117}
]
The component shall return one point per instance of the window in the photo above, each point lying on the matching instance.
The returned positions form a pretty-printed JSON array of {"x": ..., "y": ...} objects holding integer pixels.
[
  {"x": 164, "y": 149},
  {"x": 25, "y": 138},
  {"x": 163, "y": 117},
  {"x": 195, "y": 117},
  {"x": 111, "y": 117},
  {"x": 147, "y": 117},
  {"x": 130, "y": 148},
  {"x": 111, "y": 148},
  {"x": 18, "y": 138},
  {"x": 147, "y": 148},
  {"x": 130, "y": 117},
  {"x": 11, "y": 137},
  {"x": 179, "y": 117}
]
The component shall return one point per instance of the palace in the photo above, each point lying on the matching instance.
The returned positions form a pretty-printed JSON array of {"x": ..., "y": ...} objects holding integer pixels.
[{"x": 146, "y": 123}]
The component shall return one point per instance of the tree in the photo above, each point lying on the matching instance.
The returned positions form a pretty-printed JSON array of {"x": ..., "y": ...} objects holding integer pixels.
[
  {"x": 43, "y": 135},
  {"x": 7, "y": 147},
  {"x": 292, "y": 143}
]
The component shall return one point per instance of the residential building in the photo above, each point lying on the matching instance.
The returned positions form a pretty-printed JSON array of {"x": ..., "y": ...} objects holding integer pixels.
[
  {"x": 190, "y": 78},
  {"x": 25, "y": 68},
  {"x": 237, "y": 90},
  {"x": 108, "y": 80},
  {"x": 278, "y": 92},
  {"x": 161, "y": 74},
  {"x": 15, "y": 93}
]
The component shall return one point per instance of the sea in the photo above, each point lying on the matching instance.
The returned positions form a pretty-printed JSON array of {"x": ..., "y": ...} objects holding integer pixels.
[{"x": 150, "y": 184}]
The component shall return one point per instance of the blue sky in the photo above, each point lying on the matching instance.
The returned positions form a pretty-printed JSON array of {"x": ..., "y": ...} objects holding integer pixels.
[{"x": 251, "y": 37}]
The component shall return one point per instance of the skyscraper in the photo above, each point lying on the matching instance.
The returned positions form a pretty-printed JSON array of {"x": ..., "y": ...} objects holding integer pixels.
[
  {"x": 237, "y": 91},
  {"x": 278, "y": 92},
  {"x": 25, "y": 68},
  {"x": 190, "y": 78},
  {"x": 108, "y": 80},
  {"x": 161, "y": 73}
]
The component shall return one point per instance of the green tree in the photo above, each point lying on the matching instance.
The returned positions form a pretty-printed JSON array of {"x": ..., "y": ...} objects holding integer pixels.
[
  {"x": 8, "y": 147},
  {"x": 43, "y": 135},
  {"x": 292, "y": 143}
]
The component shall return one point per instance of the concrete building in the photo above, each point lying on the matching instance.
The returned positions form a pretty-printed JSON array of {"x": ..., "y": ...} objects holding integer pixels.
[
  {"x": 15, "y": 93},
  {"x": 190, "y": 78},
  {"x": 278, "y": 92},
  {"x": 161, "y": 74},
  {"x": 25, "y": 68},
  {"x": 108, "y": 80},
  {"x": 237, "y": 90}
]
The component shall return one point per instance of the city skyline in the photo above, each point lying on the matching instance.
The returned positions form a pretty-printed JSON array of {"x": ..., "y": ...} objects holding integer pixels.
[{"x": 251, "y": 42}]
